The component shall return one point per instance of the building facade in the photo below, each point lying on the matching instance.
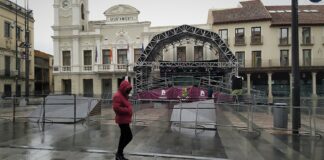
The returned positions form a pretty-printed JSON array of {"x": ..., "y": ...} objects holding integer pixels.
[
  {"x": 44, "y": 83},
  {"x": 8, "y": 33},
  {"x": 91, "y": 57},
  {"x": 260, "y": 37}
]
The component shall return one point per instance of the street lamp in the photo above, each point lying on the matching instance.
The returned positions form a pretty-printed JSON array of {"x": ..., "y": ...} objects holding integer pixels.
[
  {"x": 295, "y": 67},
  {"x": 17, "y": 60},
  {"x": 27, "y": 46}
]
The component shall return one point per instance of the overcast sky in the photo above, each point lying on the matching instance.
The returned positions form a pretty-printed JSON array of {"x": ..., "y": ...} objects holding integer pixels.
[{"x": 159, "y": 12}]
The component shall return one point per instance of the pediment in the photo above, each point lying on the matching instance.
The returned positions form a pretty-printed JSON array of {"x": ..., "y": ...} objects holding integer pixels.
[{"x": 121, "y": 9}]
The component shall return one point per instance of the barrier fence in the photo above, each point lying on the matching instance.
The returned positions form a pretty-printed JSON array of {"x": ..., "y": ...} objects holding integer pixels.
[{"x": 243, "y": 113}]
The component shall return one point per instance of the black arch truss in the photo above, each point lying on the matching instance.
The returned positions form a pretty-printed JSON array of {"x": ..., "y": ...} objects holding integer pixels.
[
  {"x": 145, "y": 64},
  {"x": 176, "y": 34}
]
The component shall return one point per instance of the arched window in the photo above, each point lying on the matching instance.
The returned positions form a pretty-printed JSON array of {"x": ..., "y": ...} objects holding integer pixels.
[{"x": 82, "y": 11}]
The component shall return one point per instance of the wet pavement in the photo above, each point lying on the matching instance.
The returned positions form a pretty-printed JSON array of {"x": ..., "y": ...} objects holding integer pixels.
[{"x": 97, "y": 138}]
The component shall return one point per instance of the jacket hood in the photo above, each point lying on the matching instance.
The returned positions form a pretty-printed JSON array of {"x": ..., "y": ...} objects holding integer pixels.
[{"x": 124, "y": 86}]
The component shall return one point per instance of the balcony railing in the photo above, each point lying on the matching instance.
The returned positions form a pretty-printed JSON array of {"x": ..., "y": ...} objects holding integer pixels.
[
  {"x": 240, "y": 41},
  {"x": 105, "y": 67},
  {"x": 263, "y": 63},
  {"x": 121, "y": 66},
  {"x": 87, "y": 68},
  {"x": 256, "y": 40},
  {"x": 283, "y": 63},
  {"x": 307, "y": 41},
  {"x": 284, "y": 41},
  {"x": 8, "y": 73},
  {"x": 66, "y": 69}
]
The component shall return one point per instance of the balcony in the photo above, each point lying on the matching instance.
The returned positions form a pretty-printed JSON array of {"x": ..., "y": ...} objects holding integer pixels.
[
  {"x": 266, "y": 63},
  {"x": 66, "y": 69},
  {"x": 87, "y": 68},
  {"x": 105, "y": 67},
  {"x": 121, "y": 66},
  {"x": 8, "y": 73},
  {"x": 307, "y": 41},
  {"x": 284, "y": 41},
  {"x": 256, "y": 40},
  {"x": 240, "y": 41},
  {"x": 94, "y": 68}
]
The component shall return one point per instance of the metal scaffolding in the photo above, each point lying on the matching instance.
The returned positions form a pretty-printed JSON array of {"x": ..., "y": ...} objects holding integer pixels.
[{"x": 147, "y": 63}]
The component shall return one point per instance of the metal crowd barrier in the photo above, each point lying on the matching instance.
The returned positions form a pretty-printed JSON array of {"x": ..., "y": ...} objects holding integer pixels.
[{"x": 246, "y": 110}]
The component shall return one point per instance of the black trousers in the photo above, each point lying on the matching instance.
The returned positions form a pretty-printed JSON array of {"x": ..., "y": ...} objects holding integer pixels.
[{"x": 125, "y": 137}]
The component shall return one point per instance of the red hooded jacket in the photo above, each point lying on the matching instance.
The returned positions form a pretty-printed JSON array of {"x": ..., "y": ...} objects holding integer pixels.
[{"x": 121, "y": 105}]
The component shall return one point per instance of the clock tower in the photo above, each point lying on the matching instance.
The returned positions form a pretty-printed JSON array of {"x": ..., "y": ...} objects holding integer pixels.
[
  {"x": 71, "y": 13},
  {"x": 70, "y": 20}
]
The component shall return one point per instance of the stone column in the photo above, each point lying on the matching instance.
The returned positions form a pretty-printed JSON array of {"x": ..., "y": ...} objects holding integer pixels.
[
  {"x": 114, "y": 62},
  {"x": 174, "y": 53},
  {"x": 314, "y": 84},
  {"x": 76, "y": 17},
  {"x": 114, "y": 83},
  {"x": 76, "y": 55},
  {"x": 56, "y": 13},
  {"x": 57, "y": 53},
  {"x": 97, "y": 86},
  {"x": 270, "y": 97},
  {"x": 248, "y": 76}
]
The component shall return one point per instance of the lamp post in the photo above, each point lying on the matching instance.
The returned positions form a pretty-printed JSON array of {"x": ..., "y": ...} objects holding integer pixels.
[
  {"x": 295, "y": 67},
  {"x": 27, "y": 46},
  {"x": 17, "y": 60}
]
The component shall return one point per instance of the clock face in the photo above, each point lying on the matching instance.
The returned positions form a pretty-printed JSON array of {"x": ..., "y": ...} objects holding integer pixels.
[{"x": 66, "y": 4}]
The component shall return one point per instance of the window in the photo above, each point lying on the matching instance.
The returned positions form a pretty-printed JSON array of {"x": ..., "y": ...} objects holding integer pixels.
[
  {"x": 256, "y": 59},
  {"x": 137, "y": 54},
  {"x": 307, "y": 57},
  {"x": 181, "y": 54},
  {"x": 87, "y": 87},
  {"x": 223, "y": 33},
  {"x": 306, "y": 35},
  {"x": 18, "y": 33},
  {"x": 87, "y": 57},
  {"x": 67, "y": 86},
  {"x": 284, "y": 58},
  {"x": 256, "y": 35},
  {"x": 122, "y": 56},
  {"x": 82, "y": 11},
  {"x": 106, "y": 56},
  {"x": 284, "y": 34},
  {"x": 7, "y": 29},
  {"x": 7, "y": 90},
  {"x": 7, "y": 65},
  {"x": 239, "y": 36},
  {"x": 66, "y": 58},
  {"x": 198, "y": 53},
  {"x": 240, "y": 56},
  {"x": 256, "y": 31}
]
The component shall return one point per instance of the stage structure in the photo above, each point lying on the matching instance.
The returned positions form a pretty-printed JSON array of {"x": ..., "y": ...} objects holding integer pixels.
[{"x": 152, "y": 73}]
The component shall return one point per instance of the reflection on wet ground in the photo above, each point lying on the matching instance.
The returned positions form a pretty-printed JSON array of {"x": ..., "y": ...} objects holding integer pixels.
[{"x": 154, "y": 138}]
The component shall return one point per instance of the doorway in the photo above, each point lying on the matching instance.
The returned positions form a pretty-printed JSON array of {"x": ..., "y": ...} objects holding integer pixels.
[{"x": 66, "y": 86}]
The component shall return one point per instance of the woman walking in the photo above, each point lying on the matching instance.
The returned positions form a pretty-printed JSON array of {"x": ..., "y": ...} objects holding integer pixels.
[{"x": 123, "y": 110}]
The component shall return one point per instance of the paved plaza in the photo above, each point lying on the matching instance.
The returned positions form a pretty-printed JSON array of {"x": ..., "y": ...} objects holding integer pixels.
[{"x": 154, "y": 138}]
